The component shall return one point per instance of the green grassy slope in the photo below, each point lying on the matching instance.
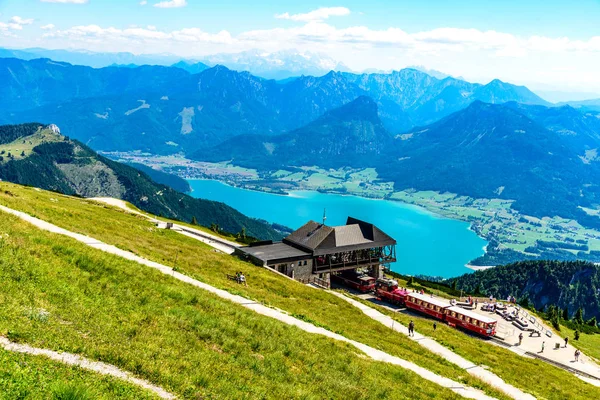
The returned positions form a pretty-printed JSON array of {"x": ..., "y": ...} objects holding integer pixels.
[
  {"x": 172, "y": 334},
  {"x": 200, "y": 261},
  {"x": 24, "y": 376}
]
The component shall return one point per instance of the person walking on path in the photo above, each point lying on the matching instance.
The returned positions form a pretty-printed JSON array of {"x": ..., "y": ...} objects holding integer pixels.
[
  {"x": 577, "y": 352},
  {"x": 411, "y": 329},
  {"x": 520, "y": 338},
  {"x": 434, "y": 326},
  {"x": 566, "y": 341},
  {"x": 543, "y": 345}
]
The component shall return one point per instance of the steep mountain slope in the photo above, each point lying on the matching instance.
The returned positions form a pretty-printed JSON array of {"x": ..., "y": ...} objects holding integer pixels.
[
  {"x": 307, "y": 98},
  {"x": 580, "y": 130},
  {"x": 29, "y": 84},
  {"x": 424, "y": 99},
  {"x": 491, "y": 151},
  {"x": 349, "y": 135},
  {"x": 54, "y": 162},
  {"x": 570, "y": 285}
]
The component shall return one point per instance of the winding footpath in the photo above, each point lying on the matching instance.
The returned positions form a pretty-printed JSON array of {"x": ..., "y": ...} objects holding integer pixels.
[
  {"x": 95, "y": 366},
  {"x": 433, "y": 346},
  {"x": 377, "y": 355},
  {"x": 214, "y": 241}
]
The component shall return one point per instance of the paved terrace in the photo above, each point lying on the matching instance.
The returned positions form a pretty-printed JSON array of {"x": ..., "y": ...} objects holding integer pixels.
[{"x": 531, "y": 345}]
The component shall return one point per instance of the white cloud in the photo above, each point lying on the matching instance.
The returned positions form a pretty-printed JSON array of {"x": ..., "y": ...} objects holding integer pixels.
[
  {"x": 21, "y": 21},
  {"x": 16, "y": 23},
  {"x": 150, "y": 34},
  {"x": 171, "y": 4},
  {"x": 65, "y": 1},
  {"x": 454, "y": 39},
  {"x": 316, "y": 15},
  {"x": 143, "y": 3},
  {"x": 47, "y": 27}
]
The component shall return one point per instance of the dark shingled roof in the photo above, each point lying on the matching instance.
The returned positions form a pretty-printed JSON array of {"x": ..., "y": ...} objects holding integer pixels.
[
  {"x": 355, "y": 235},
  {"x": 275, "y": 251}
]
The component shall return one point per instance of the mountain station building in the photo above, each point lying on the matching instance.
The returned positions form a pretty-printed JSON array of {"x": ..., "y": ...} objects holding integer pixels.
[{"x": 315, "y": 251}]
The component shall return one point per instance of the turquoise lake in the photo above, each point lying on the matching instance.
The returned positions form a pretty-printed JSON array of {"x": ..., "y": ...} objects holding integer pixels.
[{"x": 427, "y": 243}]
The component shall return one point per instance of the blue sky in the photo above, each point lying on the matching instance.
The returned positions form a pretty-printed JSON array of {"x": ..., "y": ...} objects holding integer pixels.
[{"x": 546, "y": 44}]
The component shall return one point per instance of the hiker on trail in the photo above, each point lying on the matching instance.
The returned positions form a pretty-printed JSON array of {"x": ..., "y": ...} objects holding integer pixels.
[
  {"x": 566, "y": 341},
  {"x": 520, "y": 338},
  {"x": 543, "y": 345},
  {"x": 411, "y": 329},
  {"x": 434, "y": 326},
  {"x": 577, "y": 352}
]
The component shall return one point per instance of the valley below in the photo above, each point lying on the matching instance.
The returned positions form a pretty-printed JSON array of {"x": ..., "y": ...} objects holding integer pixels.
[{"x": 511, "y": 235}]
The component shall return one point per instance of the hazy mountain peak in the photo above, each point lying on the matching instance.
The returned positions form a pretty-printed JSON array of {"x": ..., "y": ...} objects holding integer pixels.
[{"x": 362, "y": 108}]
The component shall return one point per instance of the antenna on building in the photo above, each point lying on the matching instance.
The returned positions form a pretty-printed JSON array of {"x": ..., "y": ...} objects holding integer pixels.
[{"x": 324, "y": 215}]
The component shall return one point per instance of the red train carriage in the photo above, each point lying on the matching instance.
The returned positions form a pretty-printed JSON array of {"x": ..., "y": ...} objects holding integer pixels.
[
  {"x": 361, "y": 282},
  {"x": 388, "y": 290},
  {"x": 471, "y": 321},
  {"x": 427, "y": 304}
]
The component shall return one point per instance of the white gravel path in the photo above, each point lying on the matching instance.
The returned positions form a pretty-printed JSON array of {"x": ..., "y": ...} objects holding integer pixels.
[
  {"x": 373, "y": 353},
  {"x": 214, "y": 241},
  {"x": 95, "y": 366},
  {"x": 433, "y": 346}
]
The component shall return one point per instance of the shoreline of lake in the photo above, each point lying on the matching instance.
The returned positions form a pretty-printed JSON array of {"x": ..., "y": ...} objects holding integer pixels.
[{"x": 430, "y": 255}]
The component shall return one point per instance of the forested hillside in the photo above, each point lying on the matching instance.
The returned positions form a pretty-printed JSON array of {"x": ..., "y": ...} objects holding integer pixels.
[
  {"x": 54, "y": 162},
  {"x": 173, "y": 181},
  {"x": 569, "y": 285},
  {"x": 349, "y": 135}
]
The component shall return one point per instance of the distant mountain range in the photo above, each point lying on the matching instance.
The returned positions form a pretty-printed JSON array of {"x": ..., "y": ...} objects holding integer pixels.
[
  {"x": 90, "y": 58},
  {"x": 275, "y": 65},
  {"x": 33, "y": 155},
  {"x": 169, "y": 110}
]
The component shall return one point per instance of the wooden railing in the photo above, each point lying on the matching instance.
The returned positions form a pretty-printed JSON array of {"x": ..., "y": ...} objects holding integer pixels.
[
  {"x": 352, "y": 263},
  {"x": 322, "y": 283}
]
